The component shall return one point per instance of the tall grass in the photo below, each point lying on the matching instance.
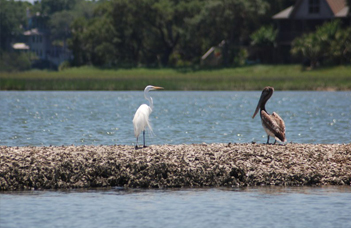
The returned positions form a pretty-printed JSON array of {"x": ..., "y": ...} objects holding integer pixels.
[{"x": 282, "y": 77}]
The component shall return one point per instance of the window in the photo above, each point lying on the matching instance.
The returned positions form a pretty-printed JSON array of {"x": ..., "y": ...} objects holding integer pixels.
[{"x": 313, "y": 6}]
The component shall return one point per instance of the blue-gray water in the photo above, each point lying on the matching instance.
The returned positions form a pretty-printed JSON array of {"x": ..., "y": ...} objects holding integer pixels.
[
  {"x": 327, "y": 207},
  {"x": 94, "y": 118}
]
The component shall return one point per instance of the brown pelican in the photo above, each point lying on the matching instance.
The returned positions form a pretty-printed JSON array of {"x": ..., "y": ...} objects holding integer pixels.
[{"x": 273, "y": 124}]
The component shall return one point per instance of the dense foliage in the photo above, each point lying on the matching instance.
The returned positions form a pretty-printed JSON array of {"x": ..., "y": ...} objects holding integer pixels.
[
  {"x": 12, "y": 19},
  {"x": 143, "y": 32},
  {"x": 155, "y": 32},
  {"x": 329, "y": 44},
  {"x": 129, "y": 33}
]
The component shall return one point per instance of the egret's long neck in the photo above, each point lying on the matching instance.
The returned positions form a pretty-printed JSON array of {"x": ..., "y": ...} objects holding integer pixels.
[{"x": 147, "y": 97}]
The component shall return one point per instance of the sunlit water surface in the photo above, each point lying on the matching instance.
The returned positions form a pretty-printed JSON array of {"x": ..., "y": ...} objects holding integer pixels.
[
  {"x": 248, "y": 207},
  {"x": 94, "y": 118}
]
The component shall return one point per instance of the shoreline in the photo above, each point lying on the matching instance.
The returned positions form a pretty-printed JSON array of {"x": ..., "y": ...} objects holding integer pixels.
[
  {"x": 174, "y": 166},
  {"x": 247, "y": 78}
]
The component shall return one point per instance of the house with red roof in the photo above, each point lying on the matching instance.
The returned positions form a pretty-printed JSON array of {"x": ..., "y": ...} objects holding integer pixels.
[{"x": 304, "y": 17}]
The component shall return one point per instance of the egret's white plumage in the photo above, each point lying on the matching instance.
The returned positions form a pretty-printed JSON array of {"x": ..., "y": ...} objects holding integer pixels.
[{"x": 141, "y": 117}]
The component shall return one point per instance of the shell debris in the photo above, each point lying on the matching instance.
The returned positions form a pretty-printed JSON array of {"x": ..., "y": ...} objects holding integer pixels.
[{"x": 170, "y": 166}]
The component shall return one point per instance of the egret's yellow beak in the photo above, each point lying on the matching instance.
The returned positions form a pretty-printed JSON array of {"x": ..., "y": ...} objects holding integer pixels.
[{"x": 157, "y": 87}]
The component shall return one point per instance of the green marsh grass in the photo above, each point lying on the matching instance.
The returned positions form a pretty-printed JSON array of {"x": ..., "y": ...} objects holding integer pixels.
[{"x": 282, "y": 77}]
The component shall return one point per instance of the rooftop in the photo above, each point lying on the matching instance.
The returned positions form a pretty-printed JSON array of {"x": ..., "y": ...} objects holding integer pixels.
[
  {"x": 20, "y": 46},
  {"x": 339, "y": 8}
]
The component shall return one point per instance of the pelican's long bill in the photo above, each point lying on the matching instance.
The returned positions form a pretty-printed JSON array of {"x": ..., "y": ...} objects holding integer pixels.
[{"x": 258, "y": 106}]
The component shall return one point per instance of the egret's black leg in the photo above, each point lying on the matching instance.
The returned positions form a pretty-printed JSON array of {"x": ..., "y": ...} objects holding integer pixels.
[
  {"x": 267, "y": 139},
  {"x": 136, "y": 145},
  {"x": 274, "y": 142},
  {"x": 144, "y": 138}
]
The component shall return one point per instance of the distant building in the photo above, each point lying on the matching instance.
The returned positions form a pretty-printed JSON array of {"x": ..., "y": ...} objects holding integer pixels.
[
  {"x": 304, "y": 17},
  {"x": 20, "y": 47},
  {"x": 213, "y": 57},
  {"x": 38, "y": 41}
]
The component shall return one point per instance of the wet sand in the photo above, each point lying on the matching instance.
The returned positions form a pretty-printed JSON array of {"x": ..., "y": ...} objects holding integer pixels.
[{"x": 162, "y": 166}]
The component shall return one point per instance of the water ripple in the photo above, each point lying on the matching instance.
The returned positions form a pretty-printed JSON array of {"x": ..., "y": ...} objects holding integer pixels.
[{"x": 93, "y": 118}]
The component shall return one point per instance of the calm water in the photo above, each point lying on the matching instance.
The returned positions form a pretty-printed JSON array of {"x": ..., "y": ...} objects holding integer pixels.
[
  {"x": 94, "y": 118},
  {"x": 253, "y": 207}
]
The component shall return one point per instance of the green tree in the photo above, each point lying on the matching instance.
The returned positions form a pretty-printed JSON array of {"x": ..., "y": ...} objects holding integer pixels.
[
  {"x": 134, "y": 32},
  {"x": 340, "y": 47},
  {"x": 61, "y": 20},
  {"x": 12, "y": 19},
  {"x": 265, "y": 36},
  {"x": 77, "y": 43},
  {"x": 330, "y": 42},
  {"x": 264, "y": 41},
  {"x": 308, "y": 46},
  {"x": 190, "y": 46},
  {"x": 150, "y": 32},
  {"x": 167, "y": 25},
  {"x": 229, "y": 20},
  {"x": 102, "y": 39},
  {"x": 49, "y": 7},
  {"x": 13, "y": 61},
  {"x": 128, "y": 21},
  {"x": 60, "y": 24}
]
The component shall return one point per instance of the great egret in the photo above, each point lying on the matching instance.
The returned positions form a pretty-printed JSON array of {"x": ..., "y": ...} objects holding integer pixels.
[
  {"x": 141, "y": 117},
  {"x": 273, "y": 124}
]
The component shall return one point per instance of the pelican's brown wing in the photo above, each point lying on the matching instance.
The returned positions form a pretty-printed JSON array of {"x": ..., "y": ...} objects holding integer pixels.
[
  {"x": 275, "y": 124},
  {"x": 280, "y": 122}
]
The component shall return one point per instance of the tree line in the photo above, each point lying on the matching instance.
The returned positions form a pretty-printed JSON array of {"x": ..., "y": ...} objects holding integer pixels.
[
  {"x": 329, "y": 44},
  {"x": 129, "y": 33},
  {"x": 165, "y": 32}
]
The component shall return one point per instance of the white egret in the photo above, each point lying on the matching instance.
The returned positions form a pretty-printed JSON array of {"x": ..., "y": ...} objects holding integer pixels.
[
  {"x": 141, "y": 117},
  {"x": 273, "y": 124}
]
